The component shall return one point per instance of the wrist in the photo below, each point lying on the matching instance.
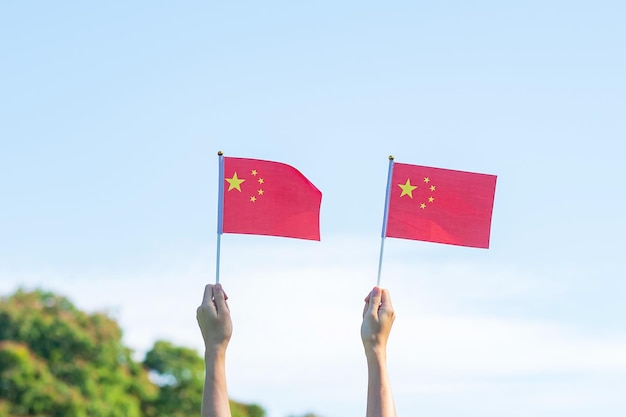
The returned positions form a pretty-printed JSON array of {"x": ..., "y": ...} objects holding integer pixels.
[
  {"x": 216, "y": 344},
  {"x": 376, "y": 354},
  {"x": 214, "y": 352}
]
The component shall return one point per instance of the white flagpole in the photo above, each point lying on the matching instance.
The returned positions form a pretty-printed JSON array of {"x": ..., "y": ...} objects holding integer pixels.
[
  {"x": 220, "y": 214},
  {"x": 385, "y": 215}
]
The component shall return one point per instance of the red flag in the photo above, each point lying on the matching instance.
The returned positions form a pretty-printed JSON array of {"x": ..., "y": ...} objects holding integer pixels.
[
  {"x": 440, "y": 205},
  {"x": 268, "y": 198}
]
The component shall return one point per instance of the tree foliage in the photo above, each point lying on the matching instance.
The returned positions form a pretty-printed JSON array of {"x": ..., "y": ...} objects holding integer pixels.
[
  {"x": 58, "y": 361},
  {"x": 246, "y": 410},
  {"x": 180, "y": 375}
]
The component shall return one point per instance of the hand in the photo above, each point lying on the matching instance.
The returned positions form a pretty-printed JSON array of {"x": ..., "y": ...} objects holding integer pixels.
[
  {"x": 378, "y": 317},
  {"x": 214, "y": 318}
]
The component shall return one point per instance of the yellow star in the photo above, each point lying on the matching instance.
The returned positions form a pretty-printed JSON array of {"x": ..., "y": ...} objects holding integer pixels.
[
  {"x": 253, "y": 199},
  {"x": 422, "y": 206},
  {"x": 261, "y": 181},
  {"x": 426, "y": 180},
  {"x": 253, "y": 172},
  {"x": 407, "y": 188},
  {"x": 261, "y": 192},
  {"x": 432, "y": 188},
  {"x": 431, "y": 199},
  {"x": 234, "y": 183}
]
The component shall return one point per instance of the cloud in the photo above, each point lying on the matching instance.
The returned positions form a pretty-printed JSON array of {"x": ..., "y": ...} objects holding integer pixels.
[{"x": 297, "y": 307}]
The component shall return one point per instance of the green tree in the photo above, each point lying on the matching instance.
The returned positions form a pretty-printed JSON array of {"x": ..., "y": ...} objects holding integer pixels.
[
  {"x": 57, "y": 361},
  {"x": 246, "y": 410},
  {"x": 180, "y": 373}
]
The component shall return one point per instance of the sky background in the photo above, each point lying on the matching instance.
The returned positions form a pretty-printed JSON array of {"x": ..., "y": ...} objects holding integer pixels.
[{"x": 111, "y": 116}]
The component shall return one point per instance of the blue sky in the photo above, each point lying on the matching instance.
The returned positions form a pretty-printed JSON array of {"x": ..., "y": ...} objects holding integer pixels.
[{"x": 112, "y": 114}]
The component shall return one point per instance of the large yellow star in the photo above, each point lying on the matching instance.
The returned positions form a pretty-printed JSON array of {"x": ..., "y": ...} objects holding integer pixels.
[
  {"x": 234, "y": 183},
  {"x": 407, "y": 188}
]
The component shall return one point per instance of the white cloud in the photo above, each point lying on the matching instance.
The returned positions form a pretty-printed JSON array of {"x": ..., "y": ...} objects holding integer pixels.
[{"x": 296, "y": 345}]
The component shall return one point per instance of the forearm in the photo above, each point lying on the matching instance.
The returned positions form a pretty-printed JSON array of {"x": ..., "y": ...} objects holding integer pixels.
[
  {"x": 215, "y": 396},
  {"x": 379, "y": 397}
]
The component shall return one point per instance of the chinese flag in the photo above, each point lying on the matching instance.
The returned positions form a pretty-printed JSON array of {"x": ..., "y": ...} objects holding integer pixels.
[
  {"x": 268, "y": 198},
  {"x": 440, "y": 205}
]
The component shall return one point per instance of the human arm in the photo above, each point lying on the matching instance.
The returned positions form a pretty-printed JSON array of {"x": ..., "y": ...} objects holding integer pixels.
[
  {"x": 378, "y": 317},
  {"x": 216, "y": 326}
]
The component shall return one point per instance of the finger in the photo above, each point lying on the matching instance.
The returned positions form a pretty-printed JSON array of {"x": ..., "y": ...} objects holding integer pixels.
[
  {"x": 220, "y": 298},
  {"x": 385, "y": 300},
  {"x": 208, "y": 294},
  {"x": 386, "y": 307},
  {"x": 374, "y": 302},
  {"x": 208, "y": 306},
  {"x": 367, "y": 302}
]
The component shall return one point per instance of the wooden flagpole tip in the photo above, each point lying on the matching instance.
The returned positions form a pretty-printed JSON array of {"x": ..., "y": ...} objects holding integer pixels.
[
  {"x": 220, "y": 153},
  {"x": 391, "y": 157}
]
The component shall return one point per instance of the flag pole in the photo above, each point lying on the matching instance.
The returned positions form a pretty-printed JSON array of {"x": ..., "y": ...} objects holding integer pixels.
[
  {"x": 220, "y": 214},
  {"x": 385, "y": 216}
]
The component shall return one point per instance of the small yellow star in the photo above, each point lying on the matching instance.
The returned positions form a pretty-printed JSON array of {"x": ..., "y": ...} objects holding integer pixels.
[
  {"x": 432, "y": 188},
  {"x": 261, "y": 181},
  {"x": 234, "y": 183},
  {"x": 426, "y": 180},
  {"x": 407, "y": 188},
  {"x": 423, "y": 206},
  {"x": 431, "y": 199},
  {"x": 253, "y": 199},
  {"x": 261, "y": 192},
  {"x": 254, "y": 172}
]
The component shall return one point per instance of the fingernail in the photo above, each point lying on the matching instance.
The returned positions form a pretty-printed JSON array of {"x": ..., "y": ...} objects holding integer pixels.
[
  {"x": 376, "y": 291},
  {"x": 218, "y": 287}
]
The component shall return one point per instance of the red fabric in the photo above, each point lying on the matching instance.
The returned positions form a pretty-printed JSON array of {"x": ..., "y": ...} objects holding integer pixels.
[
  {"x": 456, "y": 211},
  {"x": 274, "y": 199}
]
